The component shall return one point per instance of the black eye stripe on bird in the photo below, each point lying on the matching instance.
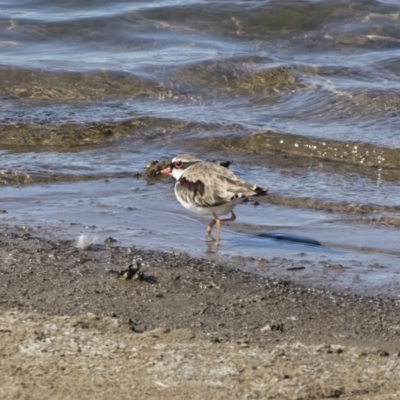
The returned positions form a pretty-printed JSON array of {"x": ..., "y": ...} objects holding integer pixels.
[{"x": 209, "y": 189}]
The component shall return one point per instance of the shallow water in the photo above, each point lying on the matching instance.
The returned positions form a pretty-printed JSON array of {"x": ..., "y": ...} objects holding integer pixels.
[
  {"x": 308, "y": 248},
  {"x": 303, "y": 97}
]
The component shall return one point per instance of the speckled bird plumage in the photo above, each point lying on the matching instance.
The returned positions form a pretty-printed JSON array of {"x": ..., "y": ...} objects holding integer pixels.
[{"x": 209, "y": 189}]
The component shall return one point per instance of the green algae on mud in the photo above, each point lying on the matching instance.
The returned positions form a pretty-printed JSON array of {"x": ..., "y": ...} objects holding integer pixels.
[
  {"x": 65, "y": 137},
  {"x": 78, "y": 86},
  {"x": 357, "y": 153},
  {"x": 199, "y": 81}
]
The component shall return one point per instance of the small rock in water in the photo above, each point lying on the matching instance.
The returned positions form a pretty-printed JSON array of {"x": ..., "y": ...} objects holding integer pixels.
[{"x": 225, "y": 163}]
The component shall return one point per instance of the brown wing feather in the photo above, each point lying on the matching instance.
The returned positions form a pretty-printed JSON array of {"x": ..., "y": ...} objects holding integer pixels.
[{"x": 208, "y": 185}]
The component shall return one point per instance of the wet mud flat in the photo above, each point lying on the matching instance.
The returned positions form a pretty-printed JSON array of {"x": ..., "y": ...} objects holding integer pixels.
[{"x": 126, "y": 321}]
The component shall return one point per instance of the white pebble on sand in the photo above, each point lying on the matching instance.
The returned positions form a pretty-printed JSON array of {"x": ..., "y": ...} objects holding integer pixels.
[{"x": 85, "y": 241}]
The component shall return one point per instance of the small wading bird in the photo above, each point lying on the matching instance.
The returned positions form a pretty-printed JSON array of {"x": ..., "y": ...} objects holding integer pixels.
[{"x": 209, "y": 189}]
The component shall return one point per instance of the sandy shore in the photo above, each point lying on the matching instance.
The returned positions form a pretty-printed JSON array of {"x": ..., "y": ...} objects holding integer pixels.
[{"x": 71, "y": 327}]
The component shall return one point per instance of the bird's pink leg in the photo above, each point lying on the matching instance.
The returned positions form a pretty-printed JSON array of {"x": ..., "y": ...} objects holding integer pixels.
[
  {"x": 209, "y": 229},
  {"x": 218, "y": 222}
]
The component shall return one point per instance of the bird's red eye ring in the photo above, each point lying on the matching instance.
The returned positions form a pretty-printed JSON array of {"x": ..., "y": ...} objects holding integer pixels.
[{"x": 178, "y": 164}]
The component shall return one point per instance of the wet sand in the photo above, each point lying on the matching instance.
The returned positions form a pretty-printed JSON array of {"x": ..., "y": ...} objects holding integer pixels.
[{"x": 183, "y": 327}]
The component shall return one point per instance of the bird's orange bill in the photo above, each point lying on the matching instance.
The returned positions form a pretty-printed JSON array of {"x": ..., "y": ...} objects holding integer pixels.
[{"x": 166, "y": 171}]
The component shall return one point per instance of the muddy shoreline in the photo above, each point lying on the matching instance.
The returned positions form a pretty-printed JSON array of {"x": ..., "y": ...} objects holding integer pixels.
[
  {"x": 55, "y": 277},
  {"x": 213, "y": 303}
]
